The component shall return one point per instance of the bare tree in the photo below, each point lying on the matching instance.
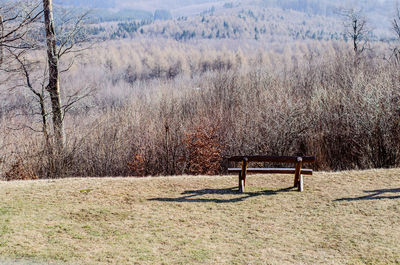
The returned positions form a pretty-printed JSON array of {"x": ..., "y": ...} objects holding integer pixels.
[
  {"x": 33, "y": 74},
  {"x": 396, "y": 31},
  {"x": 53, "y": 87},
  {"x": 29, "y": 37},
  {"x": 356, "y": 29},
  {"x": 26, "y": 29},
  {"x": 70, "y": 35},
  {"x": 1, "y": 37}
]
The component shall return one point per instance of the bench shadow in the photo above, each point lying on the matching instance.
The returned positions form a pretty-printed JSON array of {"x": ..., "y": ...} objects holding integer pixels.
[
  {"x": 196, "y": 195},
  {"x": 375, "y": 195}
]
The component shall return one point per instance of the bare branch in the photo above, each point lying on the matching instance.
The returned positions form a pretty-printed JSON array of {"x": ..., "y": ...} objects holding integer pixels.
[
  {"x": 74, "y": 98},
  {"x": 70, "y": 40},
  {"x": 24, "y": 126},
  {"x": 23, "y": 64},
  {"x": 19, "y": 30}
]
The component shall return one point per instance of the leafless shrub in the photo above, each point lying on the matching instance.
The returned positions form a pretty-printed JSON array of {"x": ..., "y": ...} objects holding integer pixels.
[{"x": 317, "y": 103}]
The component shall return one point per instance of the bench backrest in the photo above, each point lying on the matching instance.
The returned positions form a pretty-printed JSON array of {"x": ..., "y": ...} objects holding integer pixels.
[{"x": 274, "y": 159}]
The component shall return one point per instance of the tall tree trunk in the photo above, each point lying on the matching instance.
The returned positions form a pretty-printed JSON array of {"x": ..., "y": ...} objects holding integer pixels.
[
  {"x": 53, "y": 86},
  {"x": 1, "y": 40},
  {"x": 355, "y": 36},
  {"x": 49, "y": 148}
]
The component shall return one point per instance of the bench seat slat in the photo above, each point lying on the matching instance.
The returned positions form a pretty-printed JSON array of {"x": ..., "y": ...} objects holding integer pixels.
[{"x": 271, "y": 170}]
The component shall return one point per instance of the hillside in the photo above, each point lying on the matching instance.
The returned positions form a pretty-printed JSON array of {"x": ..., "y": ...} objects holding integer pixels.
[
  {"x": 265, "y": 20},
  {"x": 189, "y": 7},
  {"x": 341, "y": 218},
  {"x": 240, "y": 22},
  {"x": 268, "y": 24}
]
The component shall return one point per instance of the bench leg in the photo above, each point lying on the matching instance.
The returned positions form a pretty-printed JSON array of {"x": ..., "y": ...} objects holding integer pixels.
[
  {"x": 297, "y": 174},
  {"x": 242, "y": 176},
  {"x": 242, "y": 183},
  {"x": 300, "y": 187},
  {"x": 241, "y": 186}
]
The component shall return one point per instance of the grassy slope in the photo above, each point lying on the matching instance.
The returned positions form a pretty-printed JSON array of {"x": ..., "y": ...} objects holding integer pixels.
[{"x": 202, "y": 220}]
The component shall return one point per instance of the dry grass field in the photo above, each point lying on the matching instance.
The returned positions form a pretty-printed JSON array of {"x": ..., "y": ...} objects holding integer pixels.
[{"x": 341, "y": 218}]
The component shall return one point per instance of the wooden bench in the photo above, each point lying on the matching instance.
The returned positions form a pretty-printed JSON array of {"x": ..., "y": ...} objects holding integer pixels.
[{"x": 298, "y": 171}]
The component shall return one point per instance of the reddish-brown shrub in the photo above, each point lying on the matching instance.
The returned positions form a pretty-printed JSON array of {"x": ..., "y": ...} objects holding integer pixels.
[
  {"x": 19, "y": 171},
  {"x": 137, "y": 165},
  {"x": 204, "y": 152}
]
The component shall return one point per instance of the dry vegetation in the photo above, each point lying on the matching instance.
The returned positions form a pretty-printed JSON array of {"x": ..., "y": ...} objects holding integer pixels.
[
  {"x": 309, "y": 98},
  {"x": 341, "y": 218}
]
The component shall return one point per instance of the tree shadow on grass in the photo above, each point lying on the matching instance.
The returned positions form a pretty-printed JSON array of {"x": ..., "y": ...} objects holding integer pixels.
[
  {"x": 198, "y": 195},
  {"x": 375, "y": 195}
]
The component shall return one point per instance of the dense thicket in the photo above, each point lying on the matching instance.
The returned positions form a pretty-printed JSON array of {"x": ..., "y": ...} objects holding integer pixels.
[{"x": 316, "y": 99}]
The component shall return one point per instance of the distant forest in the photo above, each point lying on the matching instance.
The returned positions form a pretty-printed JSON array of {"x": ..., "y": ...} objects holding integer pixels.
[
  {"x": 258, "y": 20},
  {"x": 88, "y": 3},
  {"x": 322, "y": 7}
]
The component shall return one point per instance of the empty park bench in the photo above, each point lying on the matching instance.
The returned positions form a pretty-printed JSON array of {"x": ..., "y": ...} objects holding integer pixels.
[{"x": 298, "y": 171}]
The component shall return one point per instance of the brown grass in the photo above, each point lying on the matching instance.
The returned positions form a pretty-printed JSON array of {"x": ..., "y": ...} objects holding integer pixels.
[{"x": 341, "y": 218}]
